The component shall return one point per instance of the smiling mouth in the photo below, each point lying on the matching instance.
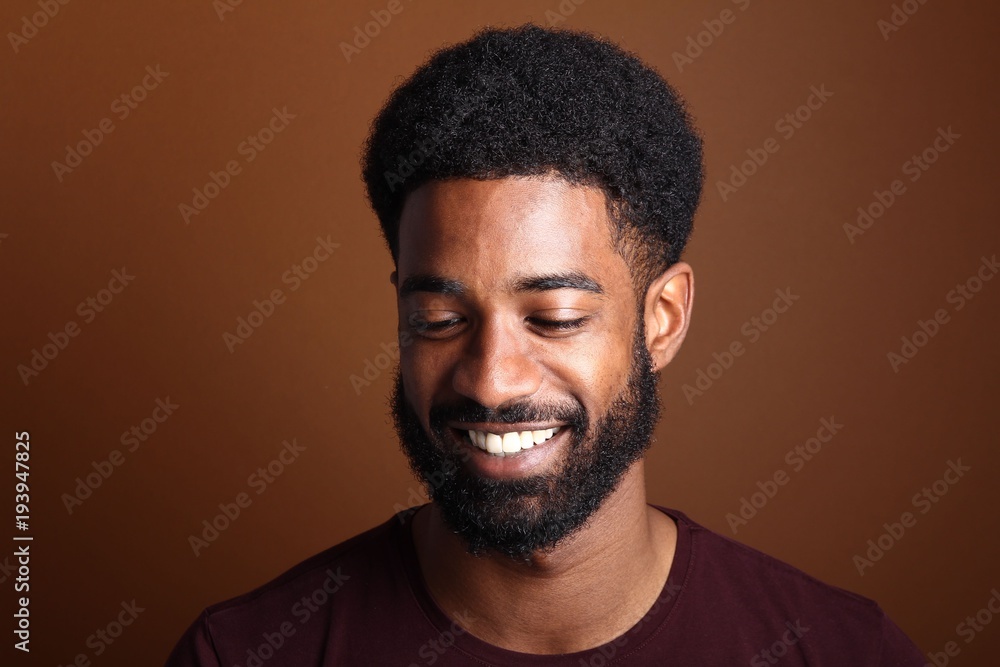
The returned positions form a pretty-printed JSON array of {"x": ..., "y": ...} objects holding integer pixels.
[{"x": 510, "y": 443}]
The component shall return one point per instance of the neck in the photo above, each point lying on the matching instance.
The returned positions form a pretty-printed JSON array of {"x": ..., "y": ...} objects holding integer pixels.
[{"x": 602, "y": 579}]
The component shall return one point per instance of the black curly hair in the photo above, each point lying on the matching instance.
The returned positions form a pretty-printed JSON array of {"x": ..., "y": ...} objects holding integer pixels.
[{"x": 528, "y": 101}]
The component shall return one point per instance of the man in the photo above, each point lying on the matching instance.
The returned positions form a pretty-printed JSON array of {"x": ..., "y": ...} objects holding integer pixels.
[{"x": 536, "y": 189}]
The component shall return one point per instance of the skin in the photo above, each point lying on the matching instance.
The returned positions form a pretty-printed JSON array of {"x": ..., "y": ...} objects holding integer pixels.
[{"x": 498, "y": 349}]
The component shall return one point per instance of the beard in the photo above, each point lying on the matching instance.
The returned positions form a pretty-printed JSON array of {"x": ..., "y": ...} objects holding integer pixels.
[{"x": 534, "y": 514}]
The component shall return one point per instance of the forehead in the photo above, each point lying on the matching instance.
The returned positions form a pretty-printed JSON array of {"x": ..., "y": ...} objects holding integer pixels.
[{"x": 492, "y": 230}]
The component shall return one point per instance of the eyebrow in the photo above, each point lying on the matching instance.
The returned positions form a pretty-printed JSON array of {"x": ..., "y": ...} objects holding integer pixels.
[
  {"x": 433, "y": 284},
  {"x": 544, "y": 283},
  {"x": 552, "y": 281}
]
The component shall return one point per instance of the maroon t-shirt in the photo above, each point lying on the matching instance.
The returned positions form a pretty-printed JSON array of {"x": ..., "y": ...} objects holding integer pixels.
[{"x": 364, "y": 602}]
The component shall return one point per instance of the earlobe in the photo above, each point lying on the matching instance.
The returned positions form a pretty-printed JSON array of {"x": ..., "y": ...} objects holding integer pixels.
[{"x": 668, "y": 312}]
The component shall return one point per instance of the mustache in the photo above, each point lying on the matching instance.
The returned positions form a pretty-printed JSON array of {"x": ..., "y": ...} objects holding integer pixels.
[{"x": 574, "y": 414}]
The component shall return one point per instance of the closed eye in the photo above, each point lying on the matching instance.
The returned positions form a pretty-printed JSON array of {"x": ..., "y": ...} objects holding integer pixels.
[
  {"x": 422, "y": 326},
  {"x": 560, "y": 325},
  {"x": 445, "y": 326}
]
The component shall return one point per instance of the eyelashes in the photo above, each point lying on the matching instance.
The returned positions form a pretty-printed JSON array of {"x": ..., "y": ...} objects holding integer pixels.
[
  {"x": 561, "y": 325},
  {"x": 423, "y": 326},
  {"x": 444, "y": 327}
]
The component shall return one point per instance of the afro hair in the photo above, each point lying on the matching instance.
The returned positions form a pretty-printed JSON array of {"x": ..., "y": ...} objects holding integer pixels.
[{"x": 528, "y": 101}]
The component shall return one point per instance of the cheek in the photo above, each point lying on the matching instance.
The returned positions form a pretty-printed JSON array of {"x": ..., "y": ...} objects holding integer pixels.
[
  {"x": 598, "y": 369},
  {"x": 409, "y": 369},
  {"x": 422, "y": 372}
]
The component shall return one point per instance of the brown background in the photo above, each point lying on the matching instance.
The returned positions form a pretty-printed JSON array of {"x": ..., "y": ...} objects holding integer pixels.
[{"x": 162, "y": 336}]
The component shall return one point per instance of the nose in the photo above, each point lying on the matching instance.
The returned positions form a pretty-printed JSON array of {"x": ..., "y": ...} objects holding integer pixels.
[{"x": 497, "y": 367}]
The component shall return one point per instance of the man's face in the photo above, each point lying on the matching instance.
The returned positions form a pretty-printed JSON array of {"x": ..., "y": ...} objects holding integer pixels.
[{"x": 525, "y": 331}]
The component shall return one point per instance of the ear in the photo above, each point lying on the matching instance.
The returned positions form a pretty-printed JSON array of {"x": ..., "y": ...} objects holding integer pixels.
[
  {"x": 668, "y": 312},
  {"x": 394, "y": 279}
]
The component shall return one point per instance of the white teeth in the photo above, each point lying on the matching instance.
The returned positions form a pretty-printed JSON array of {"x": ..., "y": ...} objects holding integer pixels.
[
  {"x": 526, "y": 440},
  {"x": 512, "y": 442},
  {"x": 494, "y": 445}
]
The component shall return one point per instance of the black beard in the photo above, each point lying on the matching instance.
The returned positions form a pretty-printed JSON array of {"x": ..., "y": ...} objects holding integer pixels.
[{"x": 534, "y": 514}]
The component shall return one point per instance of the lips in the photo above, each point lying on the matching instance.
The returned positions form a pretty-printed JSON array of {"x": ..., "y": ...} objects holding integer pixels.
[{"x": 508, "y": 443}]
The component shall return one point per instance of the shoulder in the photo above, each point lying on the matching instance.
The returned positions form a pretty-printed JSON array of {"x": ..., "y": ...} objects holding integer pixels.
[
  {"x": 728, "y": 562},
  {"x": 300, "y": 602},
  {"x": 327, "y": 571},
  {"x": 766, "y": 597}
]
